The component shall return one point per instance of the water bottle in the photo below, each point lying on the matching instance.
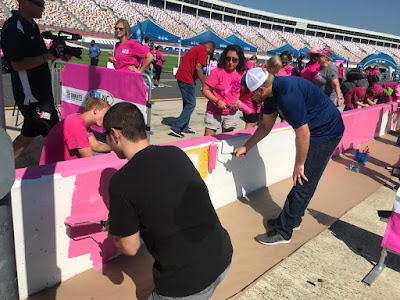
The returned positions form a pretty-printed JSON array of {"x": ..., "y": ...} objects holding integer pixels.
[
  {"x": 357, "y": 168},
  {"x": 351, "y": 167}
]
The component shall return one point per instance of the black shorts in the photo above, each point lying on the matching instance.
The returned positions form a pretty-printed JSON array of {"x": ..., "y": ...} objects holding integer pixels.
[
  {"x": 157, "y": 70},
  {"x": 39, "y": 118},
  {"x": 251, "y": 118},
  {"x": 94, "y": 61}
]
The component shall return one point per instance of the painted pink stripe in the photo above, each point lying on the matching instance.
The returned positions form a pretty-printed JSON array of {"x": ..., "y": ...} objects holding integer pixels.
[{"x": 124, "y": 85}]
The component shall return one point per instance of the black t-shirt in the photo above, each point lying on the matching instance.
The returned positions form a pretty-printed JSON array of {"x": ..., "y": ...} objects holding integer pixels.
[
  {"x": 160, "y": 193},
  {"x": 19, "y": 39}
]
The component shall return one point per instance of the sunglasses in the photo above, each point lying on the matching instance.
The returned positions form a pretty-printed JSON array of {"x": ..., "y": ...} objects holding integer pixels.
[
  {"x": 233, "y": 59},
  {"x": 105, "y": 133},
  {"x": 119, "y": 29},
  {"x": 37, "y": 3}
]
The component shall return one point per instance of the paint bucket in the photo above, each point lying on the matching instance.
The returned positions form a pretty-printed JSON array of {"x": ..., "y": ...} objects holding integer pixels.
[{"x": 360, "y": 156}]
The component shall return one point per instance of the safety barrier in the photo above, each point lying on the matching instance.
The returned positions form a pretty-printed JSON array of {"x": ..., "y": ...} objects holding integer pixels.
[{"x": 44, "y": 197}]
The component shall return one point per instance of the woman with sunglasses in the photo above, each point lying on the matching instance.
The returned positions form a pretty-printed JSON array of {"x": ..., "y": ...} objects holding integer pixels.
[
  {"x": 128, "y": 54},
  {"x": 222, "y": 90}
]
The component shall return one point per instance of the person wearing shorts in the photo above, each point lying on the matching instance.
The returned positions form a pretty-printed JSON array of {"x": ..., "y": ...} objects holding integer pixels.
[
  {"x": 222, "y": 90},
  {"x": 26, "y": 53}
]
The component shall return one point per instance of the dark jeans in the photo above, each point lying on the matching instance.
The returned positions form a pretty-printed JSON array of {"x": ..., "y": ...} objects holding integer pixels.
[
  {"x": 189, "y": 103},
  {"x": 300, "y": 196},
  {"x": 94, "y": 61}
]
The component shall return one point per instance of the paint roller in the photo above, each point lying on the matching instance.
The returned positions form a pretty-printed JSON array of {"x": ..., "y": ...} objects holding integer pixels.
[{"x": 101, "y": 223}]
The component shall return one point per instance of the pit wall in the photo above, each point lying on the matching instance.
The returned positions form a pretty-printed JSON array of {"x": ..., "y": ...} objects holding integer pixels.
[{"x": 45, "y": 197}]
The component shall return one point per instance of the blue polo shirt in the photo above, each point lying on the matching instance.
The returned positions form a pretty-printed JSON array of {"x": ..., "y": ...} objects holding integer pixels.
[
  {"x": 94, "y": 50},
  {"x": 300, "y": 102}
]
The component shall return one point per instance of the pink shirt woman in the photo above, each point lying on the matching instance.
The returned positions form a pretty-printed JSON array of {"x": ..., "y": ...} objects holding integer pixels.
[
  {"x": 128, "y": 54},
  {"x": 289, "y": 70},
  {"x": 222, "y": 90}
]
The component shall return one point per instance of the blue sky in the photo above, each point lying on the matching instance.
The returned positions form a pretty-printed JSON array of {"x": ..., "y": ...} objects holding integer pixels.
[{"x": 381, "y": 16}]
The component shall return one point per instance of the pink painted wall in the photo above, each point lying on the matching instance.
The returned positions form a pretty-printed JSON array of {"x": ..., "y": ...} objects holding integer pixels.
[{"x": 90, "y": 198}]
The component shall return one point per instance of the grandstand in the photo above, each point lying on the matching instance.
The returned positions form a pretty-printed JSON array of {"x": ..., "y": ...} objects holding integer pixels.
[{"x": 187, "y": 18}]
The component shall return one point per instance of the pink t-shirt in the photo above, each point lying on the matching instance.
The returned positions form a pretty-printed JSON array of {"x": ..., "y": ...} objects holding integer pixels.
[
  {"x": 341, "y": 72},
  {"x": 310, "y": 71},
  {"x": 374, "y": 72},
  {"x": 379, "y": 89},
  {"x": 226, "y": 87},
  {"x": 65, "y": 139},
  {"x": 249, "y": 65},
  {"x": 159, "y": 55},
  {"x": 289, "y": 70},
  {"x": 130, "y": 53}
]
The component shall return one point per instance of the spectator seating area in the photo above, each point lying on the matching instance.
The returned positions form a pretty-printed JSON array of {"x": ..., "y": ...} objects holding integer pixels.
[{"x": 100, "y": 16}]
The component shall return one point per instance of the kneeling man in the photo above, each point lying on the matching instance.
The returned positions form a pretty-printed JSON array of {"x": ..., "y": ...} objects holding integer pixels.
[{"x": 160, "y": 196}]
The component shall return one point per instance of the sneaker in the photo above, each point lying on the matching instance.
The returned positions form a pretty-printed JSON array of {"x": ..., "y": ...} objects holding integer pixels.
[
  {"x": 271, "y": 238},
  {"x": 189, "y": 131},
  {"x": 153, "y": 85},
  {"x": 160, "y": 85},
  {"x": 176, "y": 133},
  {"x": 273, "y": 221}
]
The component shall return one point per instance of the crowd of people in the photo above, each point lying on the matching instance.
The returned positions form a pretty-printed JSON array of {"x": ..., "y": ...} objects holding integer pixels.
[
  {"x": 100, "y": 15},
  {"x": 177, "y": 222}
]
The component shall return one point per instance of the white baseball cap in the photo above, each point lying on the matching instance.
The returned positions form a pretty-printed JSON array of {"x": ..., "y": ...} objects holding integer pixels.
[{"x": 253, "y": 79}]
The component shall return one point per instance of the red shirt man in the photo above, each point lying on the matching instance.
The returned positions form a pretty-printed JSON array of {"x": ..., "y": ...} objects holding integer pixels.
[{"x": 190, "y": 69}]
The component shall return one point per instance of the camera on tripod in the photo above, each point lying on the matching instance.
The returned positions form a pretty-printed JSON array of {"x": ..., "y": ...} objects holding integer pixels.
[{"x": 60, "y": 38}]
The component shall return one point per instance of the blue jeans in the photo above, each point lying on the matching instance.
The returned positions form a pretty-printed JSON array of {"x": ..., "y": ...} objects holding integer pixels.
[
  {"x": 189, "y": 103},
  {"x": 300, "y": 196}
]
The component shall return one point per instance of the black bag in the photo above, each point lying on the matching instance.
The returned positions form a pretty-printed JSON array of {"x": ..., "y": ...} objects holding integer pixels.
[{"x": 355, "y": 74}]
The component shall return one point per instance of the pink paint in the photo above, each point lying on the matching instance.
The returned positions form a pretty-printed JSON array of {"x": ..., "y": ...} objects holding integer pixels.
[
  {"x": 391, "y": 238},
  {"x": 90, "y": 202},
  {"x": 212, "y": 156},
  {"x": 361, "y": 126},
  {"x": 90, "y": 198}
]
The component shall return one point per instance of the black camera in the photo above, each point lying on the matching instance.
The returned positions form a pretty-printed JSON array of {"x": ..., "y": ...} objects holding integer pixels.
[
  {"x": 60, "y": 38},
  {"x": 300, "y": 58}
]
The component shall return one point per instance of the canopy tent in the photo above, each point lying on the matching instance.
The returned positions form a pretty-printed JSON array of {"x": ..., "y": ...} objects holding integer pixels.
[
  {"x": 378, "y": 58},
  {"x": 237, "y": 41},
  {"x": 287, "y": 47},
  {"x": 303, "y": 51},
  {"x": 202, "y": 38},
  {"x": 154, "y": 32}
]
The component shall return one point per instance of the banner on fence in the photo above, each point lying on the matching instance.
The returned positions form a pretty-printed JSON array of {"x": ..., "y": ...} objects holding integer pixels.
[{"x": 79, "y": 82}]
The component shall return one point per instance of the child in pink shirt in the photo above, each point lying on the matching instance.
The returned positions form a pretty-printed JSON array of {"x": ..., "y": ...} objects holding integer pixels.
[{"x": 72, "y": 138}]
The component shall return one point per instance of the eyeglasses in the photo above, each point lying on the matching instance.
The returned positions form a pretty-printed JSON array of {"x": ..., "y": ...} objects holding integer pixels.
[
  {"x": 233, "y": 59},
  {"x": 119, "y": 28},
  {"x": 105, "y": 133},
  {"x": 37, "y": 3}
]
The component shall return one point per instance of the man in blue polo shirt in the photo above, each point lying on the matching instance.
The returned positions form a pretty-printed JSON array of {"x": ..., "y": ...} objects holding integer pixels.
[
  {"x": 318, "y": 126},
  {"x": 94, "y": 53}
]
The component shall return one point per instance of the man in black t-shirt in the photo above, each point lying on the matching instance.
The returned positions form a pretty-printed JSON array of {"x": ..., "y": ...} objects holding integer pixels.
[
  {"x": 160, "y": 196},
  {"x": 26, "y": 53}
]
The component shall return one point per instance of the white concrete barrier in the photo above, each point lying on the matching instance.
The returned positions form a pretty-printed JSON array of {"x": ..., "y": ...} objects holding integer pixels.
[{"x": 44, "y": 197}]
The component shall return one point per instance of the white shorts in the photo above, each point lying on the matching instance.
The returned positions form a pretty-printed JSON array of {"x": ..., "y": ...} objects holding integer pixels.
[{"x": 228, "y": 122}]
